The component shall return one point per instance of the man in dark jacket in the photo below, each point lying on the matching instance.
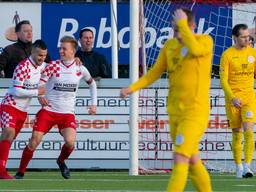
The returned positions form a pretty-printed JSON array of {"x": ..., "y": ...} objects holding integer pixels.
[
  {"x": 14, "y": 53},
  {"x": 95, "y": 62}
]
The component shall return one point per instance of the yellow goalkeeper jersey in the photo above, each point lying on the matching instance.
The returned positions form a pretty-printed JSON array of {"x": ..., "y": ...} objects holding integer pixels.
[
  {"x": 237, "y": 69},
  {"x": 189, "y": 68}
]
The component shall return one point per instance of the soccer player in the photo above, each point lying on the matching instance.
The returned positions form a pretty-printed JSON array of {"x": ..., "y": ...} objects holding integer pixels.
[
  {"x": 187, "y": 58},
  {"x": 14, "y": 106},
  {"x": 237, "y": 70},
  {"x": 61, "y": 79}
]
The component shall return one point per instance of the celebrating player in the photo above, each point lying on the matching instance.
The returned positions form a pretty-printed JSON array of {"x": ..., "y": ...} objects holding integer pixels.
[
  {"x": 15, "y": 105},
  {"x": 61, "y": 79}
]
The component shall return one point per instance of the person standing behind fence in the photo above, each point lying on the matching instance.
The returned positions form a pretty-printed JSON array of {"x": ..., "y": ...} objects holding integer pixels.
[
  {"x": 14, "y": 53},
  {"x": 14, "y": 106},
  {"x": 187, "y": 58},
  {"x": 237, "y": 71},
  {"x": 95, "y": 62}
]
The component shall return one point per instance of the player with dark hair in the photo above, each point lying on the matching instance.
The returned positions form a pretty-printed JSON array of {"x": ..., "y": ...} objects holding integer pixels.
[
  {"x": 237, "y": 71},
  {"x": 15, "y": 104}
]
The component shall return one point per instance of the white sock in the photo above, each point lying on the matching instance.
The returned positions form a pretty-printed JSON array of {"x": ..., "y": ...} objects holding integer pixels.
[
  {"x": 246, "y": 165},
  {"x": 239, "y": 166}
]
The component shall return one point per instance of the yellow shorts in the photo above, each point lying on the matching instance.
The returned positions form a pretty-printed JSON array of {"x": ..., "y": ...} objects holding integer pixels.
[
  {"x": 237, "y": 116},
  {"x": 186, "y": 134}
]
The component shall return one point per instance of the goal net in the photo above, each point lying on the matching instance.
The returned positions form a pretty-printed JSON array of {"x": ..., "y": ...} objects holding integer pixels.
[{"x": 216, "y": 19}]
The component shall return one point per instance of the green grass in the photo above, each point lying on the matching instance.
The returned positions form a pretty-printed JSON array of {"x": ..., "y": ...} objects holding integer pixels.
[{"x": 113, "y": 182}]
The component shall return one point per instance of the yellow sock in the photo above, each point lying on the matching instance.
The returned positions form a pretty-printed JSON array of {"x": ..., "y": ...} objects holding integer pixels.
[
  {"x": 200, "y": 177},
  {"x": 248, "y": 146},
  {"x": 237, "y": 147},
  {"x": 178, "y": 179}
]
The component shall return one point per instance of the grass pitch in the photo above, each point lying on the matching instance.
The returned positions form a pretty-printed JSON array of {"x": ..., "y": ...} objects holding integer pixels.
[{"x": 113, "y": 182}]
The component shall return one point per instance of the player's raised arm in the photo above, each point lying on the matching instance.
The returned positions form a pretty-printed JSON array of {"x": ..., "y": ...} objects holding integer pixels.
[{"x": 184, "y": 22}]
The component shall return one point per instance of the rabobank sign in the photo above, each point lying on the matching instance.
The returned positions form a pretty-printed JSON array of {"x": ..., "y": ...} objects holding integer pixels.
[{"x": 68, "y": 19}]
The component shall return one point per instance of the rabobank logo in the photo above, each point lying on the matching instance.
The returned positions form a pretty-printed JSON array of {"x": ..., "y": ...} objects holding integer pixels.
[
  {"x": 104, "y": 30},
  {"x": 103, "y": 33},
  {"x": 69, "y": 19}
]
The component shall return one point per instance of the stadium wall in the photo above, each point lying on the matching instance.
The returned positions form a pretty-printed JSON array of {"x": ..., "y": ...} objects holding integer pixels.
[{"x": 103, "y": 139}]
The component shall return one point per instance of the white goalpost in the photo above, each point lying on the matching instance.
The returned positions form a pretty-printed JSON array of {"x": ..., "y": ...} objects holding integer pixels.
[
  {"x": 134, "y": 63},
  {"x": 114, "y": 39}
]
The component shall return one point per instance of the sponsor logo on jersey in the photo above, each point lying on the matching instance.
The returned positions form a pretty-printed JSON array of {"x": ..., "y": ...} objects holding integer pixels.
[
  {"x": 68, "y": 87},
  {"x": 249, "y": 114},
  {"x": 179, "y": 139},
  {"x": 30, "y": 86},
  {"x": 251, "y": 59}
]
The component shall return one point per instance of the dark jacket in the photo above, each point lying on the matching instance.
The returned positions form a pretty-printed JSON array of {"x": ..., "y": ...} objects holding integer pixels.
[
  {"x": 96, "y": 63},
  {"x": 12, "y": 55}
]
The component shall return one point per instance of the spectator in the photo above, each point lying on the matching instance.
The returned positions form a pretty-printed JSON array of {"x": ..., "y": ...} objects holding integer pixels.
[
  {"x": 14, "y": 53},
  {"x": 95, "y": 62}
]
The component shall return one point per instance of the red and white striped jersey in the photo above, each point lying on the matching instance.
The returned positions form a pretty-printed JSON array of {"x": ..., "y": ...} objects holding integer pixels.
[
  {"x": 24, "y": 86},
  {"x": 62, "y": 80}
]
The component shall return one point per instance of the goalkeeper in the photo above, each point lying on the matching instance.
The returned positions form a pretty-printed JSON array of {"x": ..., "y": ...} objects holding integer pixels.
[
  {"x": 237, "y": 70},
  {"x": 187, "y": 58}
]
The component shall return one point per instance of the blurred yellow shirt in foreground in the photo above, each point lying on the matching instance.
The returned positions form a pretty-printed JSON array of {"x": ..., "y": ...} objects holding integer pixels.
[{"x": 189, "y": 68}]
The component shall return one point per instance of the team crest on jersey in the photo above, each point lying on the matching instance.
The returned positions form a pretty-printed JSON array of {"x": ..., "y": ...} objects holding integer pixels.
[
  {"x": 78, "y": 72},
  {"x": 179, "y": 139},
  {"x": 184, "y": 51},
  {"x": 249, "y": 114},
  {"x": 251, "y": 59}
]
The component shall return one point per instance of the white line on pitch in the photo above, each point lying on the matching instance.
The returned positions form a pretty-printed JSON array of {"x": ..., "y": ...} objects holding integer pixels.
[
  {"x": 68, "y": 190},
  {"x": 244, "y": 185},
  {"x": 124, "y": 180}
]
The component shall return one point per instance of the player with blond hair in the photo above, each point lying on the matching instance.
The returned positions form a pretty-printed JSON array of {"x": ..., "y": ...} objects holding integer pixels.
[{"x": 15, "y": 105}]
